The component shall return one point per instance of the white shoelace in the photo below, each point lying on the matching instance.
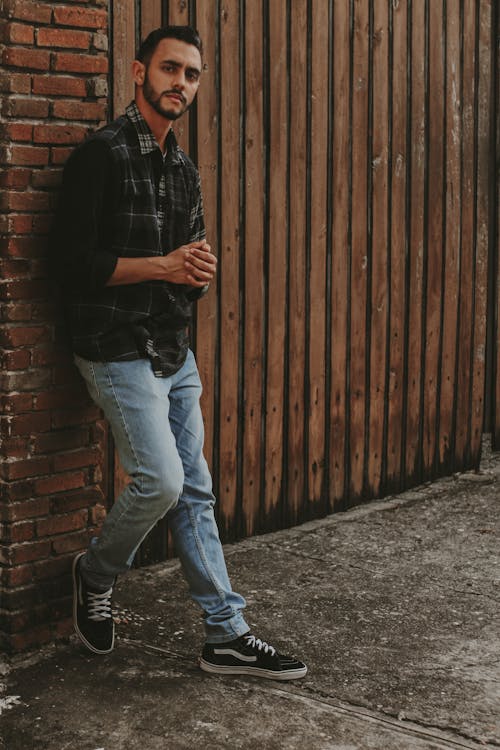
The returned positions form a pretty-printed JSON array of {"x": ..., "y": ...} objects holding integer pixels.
[
  {"x": 259, "y": 645},
  {"x": 99, "y": 605}
]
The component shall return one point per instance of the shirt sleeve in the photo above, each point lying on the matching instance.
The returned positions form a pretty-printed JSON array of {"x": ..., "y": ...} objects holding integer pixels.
[
  {"x": 78, "y": 245},
  {"x": 197, "y": 232}
]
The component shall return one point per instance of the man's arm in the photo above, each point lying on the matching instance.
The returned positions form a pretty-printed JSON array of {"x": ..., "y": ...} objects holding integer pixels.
[
  {"x": 192, "y": 264},
  {"x": 77, "y": 247},
  {"x": 78, "y": 253}
]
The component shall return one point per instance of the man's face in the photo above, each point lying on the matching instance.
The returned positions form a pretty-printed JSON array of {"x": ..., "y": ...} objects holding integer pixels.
[{"x": 172, "y": 78}]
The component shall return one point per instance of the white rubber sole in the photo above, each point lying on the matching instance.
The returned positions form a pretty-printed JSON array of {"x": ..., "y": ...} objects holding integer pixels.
[{"x": 269, "y": 674}]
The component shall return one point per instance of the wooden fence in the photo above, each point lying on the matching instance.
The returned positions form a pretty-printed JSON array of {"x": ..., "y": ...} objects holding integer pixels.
[{"x": 344, "y": 148}]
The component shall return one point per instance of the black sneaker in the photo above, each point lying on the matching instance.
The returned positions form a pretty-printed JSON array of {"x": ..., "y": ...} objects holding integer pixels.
[
  {"x": 92, "y": 614},
  {"x": 250, "y": 655}
]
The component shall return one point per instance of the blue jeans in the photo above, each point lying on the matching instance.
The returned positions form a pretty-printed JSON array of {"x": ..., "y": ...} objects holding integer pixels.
[{"x": 158, "y": 430}]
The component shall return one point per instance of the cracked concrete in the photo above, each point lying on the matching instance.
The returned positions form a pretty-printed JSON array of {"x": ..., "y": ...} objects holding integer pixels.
[{"x": 394, "y": 606}]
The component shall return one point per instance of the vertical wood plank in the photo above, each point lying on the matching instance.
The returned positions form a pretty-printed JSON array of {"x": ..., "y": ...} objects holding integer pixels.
[
  {"x": 484, "y": 150},
  {"x": 229, "y": 262},
  {"x": 399, "y": 236},
  {"x": 150, "y": 16},
  {"x": 380, "y": 239},
  {"x": 435, "y": 243},
  {"x": 359, "y": 257},
  {"x": 297, "y": 261},
  {"x": 277, "y": 233},
  {"x": 467, "y": 271},
  {"x": 178, "y": 15},
  {"x": 207, "y": 149},
  {"x": 414, "y": 284},
  {"x": 123, "y": 55},
  {"x": 452, "y": 247},
  {"x": 318, "y": 250},
  {"x": 340, "y": 248},
  {"x": 254, "y": 266}
]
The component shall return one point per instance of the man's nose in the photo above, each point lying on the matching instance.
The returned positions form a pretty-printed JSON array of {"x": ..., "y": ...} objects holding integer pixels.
[{"x": 179, "y": 79}]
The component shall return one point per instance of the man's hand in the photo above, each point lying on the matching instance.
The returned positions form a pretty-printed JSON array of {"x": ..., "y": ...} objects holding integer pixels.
[{"x": 193, "y": 264}]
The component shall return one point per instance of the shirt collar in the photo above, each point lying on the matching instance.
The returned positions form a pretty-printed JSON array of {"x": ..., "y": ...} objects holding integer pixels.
[{"x": 147, "y": 141}]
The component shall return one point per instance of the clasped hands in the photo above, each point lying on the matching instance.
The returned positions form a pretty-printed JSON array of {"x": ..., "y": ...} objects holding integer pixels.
[{"x": 192, "y": 264}]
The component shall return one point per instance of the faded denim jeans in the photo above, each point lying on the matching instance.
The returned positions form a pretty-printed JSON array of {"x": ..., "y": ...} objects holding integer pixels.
[{"x": 158, "y": 430}]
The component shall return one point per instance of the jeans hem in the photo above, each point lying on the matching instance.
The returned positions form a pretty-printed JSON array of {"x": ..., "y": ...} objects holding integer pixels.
[{"x": 228, "y": 631}]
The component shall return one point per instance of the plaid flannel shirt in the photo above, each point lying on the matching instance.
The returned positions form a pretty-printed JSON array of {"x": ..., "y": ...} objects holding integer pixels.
[{"x": 122, "y": 197}]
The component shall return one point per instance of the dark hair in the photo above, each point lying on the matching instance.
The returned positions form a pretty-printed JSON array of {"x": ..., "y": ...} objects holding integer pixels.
[{"x": 182, "y": 33}]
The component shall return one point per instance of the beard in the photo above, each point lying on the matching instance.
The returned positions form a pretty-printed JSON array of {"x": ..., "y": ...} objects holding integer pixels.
[{"x": 154, "y": 99}]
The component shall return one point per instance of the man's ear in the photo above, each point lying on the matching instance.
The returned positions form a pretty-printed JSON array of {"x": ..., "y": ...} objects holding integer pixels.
[{"x": 138, "y": 72}]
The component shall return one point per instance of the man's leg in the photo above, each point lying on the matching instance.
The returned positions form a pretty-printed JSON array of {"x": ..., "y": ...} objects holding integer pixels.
[
  {"x": 192, "y": 520},
  {"x": 136, "y": 405}
]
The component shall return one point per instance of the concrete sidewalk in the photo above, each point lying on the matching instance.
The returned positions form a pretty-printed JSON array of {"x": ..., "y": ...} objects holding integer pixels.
[{"x": 394, "y": 606}]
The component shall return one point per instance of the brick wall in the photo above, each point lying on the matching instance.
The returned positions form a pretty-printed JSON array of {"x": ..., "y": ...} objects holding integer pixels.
[{"x": 53, "y": 84}]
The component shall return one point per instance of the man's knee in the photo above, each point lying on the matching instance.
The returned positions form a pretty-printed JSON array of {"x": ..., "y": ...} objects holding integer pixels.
[{"x": 163, "y": 488}]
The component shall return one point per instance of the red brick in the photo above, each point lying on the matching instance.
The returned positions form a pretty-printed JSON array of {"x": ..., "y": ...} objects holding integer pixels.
[
  {"x": 11, "y": 268},
  {"x": 17, "y": 83},
  {"x": 73, "y": 110},
  {"x": 14, "y": 336},
  {"x": 49, "y": 37},
  {"x": 59, "y": 133},
  {"x": 15, "y": 447},
  {"x": 48, "y": 178},
  {"x": 60, "y": 155},
  {"x": 28, "y": 552},
  {"x": 30, "y": 638},
  {"x": 15, "y": 178},
  {"x": 60, "y": 440},
  {"x": 25, "y": 380},
  {"x": 17, "y": 33},
  {"x": 54, "y": 399},
  {"x": 82, "y": 17},
  {"x": 69, "y": 417},
  {"x": 71, "y": 542},
  {"x": 15, "y": 313},
  {"x": 15, "y": 403},
  {"x": 97, "y": 514},
  {"x": 59, "y": 483},
  {"x": 28, "y": 107},
  {"x": 24, "y": 290},
  {"x": 21, "y": 223},
  {"x": 19, "y": 576},
  {"x": 18, "y": 532},
  {"x": 76, "y": 459},
  {"x": 16, "y": 491},
  {"x": 29, "y": 424},
  {"x": 53, "y": 568},
  {"x": 25, "y": 201},
  {"x": 25, "y": 509},
  {"x": 62, "y": 524},
  {"x": 17, "y": 131},
  {"x": 70, "y": 62},
  {"x": 17, "y": 360},
  {"x": 25, "y": 10},
  {"x": 22, "y": 469},
  {"x": 44, "y": 357},
  {"x": 28, "y": 155},
  {"x": 19, "y": 57},
  {"x": 83, "y": 498},
  {"x": 59, "y": 85},
  {"x": 24, "y": 247}
]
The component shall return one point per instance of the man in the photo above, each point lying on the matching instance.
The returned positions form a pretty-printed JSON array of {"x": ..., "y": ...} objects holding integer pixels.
[{"x": 129, "y": 247}]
